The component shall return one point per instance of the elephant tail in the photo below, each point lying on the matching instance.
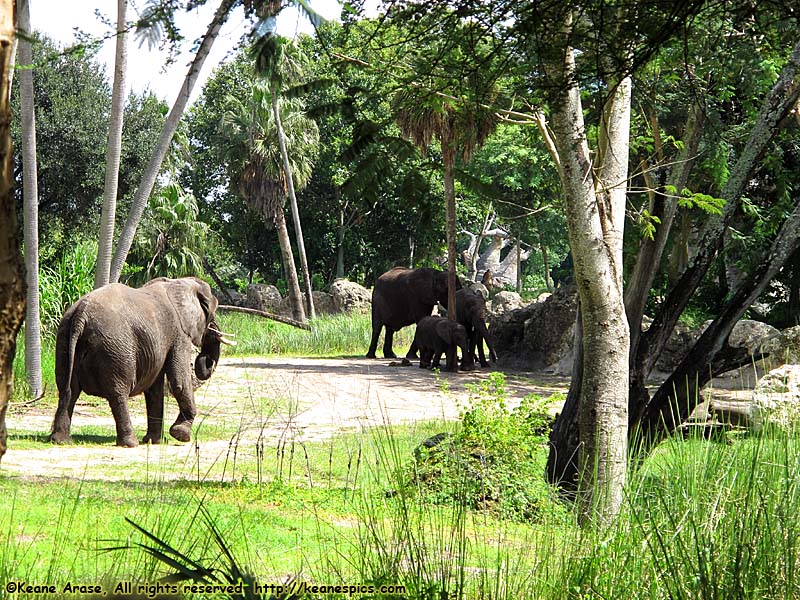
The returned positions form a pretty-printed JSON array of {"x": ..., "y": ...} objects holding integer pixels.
[{"x": 77, "y": 322}]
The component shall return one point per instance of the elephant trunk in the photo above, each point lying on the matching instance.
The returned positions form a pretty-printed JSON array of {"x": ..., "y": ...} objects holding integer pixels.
[{"x": 207, "y": 360}]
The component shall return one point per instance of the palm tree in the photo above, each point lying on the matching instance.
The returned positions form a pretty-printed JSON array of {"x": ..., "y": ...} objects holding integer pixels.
[
  {"x": 461, "y": 126},
  {"x": 113, "y": 150},
  {"x": 30, "y": 194},
  {"x": 279, "y": 62},
  {"x": 247, "y": 134}
]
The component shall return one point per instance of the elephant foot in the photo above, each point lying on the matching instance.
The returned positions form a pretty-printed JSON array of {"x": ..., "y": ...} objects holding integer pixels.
[
  {"x": 151, "y": 438},
  {"x": 412, "y": 356},
  {"x": 182, "y": 432},
  {"x": 127, "y": 441},
  {"x": 60, "y": 438},
  {"x": 390, "y": 355},
  {"x": 371, "y": 355}
]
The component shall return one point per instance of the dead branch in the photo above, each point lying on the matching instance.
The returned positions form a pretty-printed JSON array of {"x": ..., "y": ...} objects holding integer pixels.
[{"x": 266, "y": 315}]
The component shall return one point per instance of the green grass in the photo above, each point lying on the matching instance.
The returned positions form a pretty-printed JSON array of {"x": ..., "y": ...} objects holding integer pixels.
[
  {"x": 702, "y": 519},
  {"x": 337, "y": 335}
]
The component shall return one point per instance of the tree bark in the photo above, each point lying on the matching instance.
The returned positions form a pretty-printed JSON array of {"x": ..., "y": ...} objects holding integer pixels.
[
  {"x": 448, "y": 157},
  {"x": 296, "y": 298},
  {"x": 113, "y": 150},
  {"x": 301, "y": 247},
  {"x": 30, "y": 194},
  {"x": 170, "y": 125},
  {"x": 12, "y": 278},
  {"x": 595, "y": 216}
]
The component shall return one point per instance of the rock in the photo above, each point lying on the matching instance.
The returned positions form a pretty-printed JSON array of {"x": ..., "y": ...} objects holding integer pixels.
[
  {"x": 236, "y": 298},
  {"x": 504, "y": 302},
  {"x": 540, "y": 334},
  {"x": 776, "y": 398},
  {"x": 323, "y": 303},
  {"x": 677, "y": 346},
  {"x": 753, "y": 335},
  {"x": 263, "y": 296},
  {"x": 348, "y": 296},
  {"x": 785, "y": 348}
]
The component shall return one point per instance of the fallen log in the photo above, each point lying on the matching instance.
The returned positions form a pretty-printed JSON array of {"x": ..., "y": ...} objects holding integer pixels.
[{"x": 266, "y": 315}]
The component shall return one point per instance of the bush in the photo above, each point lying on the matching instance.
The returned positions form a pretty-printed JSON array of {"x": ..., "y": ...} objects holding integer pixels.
[
  {"x": 496, "y": 461},
  {"x": 62, "y": 285}
]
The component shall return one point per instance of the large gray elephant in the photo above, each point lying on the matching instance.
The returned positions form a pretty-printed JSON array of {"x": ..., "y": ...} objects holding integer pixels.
[
  {"x": 437, "y": 335},
  {"x": 117, "y": 342},
  {"x": 401, "y": 297},
  {"x": 471, "y": 314}
]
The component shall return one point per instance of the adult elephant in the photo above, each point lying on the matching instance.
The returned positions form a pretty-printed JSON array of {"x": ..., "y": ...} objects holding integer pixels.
[
  {"x": 401, "y": 297},
  {"x": 118, "y": 342},
  {"x": 472, "y": 315}
]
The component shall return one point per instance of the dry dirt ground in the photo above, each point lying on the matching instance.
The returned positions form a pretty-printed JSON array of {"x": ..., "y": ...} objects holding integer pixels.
[{"x": 249, "y": 404}]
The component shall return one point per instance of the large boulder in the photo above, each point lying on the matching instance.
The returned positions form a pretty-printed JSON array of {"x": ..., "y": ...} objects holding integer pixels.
[
  {"x": 323, "y": 303},
  {"x": 349, "y": 296},
  {"x": 230, "y": 297},
  {"x": 504, "y": 302},
  {"x": 263, "y": 296},
  {"x": 540, "y": 334},
  {"x": 784, "y": 348},
  {"x": 776, "y": 398}
]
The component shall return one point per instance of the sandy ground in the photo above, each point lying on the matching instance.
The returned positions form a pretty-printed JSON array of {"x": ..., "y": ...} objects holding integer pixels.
[{"x": 250, "y": 403}]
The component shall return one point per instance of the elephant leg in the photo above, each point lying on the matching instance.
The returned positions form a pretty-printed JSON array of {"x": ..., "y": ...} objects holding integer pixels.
[
  {"x": 424, "y": 359},
  {"x": 119, "y": 408},
  {"x": 387, "y": 344},
  {"x": 412, "y": 351},
  {"x": 373, "y": 344},
  {"x": 481, "y": 354},
  {"x": 452, "y": 359},
  {"x": 154, "y": 401},
  {"x": 436, "y": 359},
  {"x": 181, "y": 387},
  {"x": 63, "y": 419}
]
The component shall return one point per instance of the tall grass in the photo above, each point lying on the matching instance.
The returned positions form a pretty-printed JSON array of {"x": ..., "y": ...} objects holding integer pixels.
[{"x": 335, "y": 335}]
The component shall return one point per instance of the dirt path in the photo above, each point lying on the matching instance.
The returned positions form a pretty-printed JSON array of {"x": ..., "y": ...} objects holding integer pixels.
[{"x": 250, "y": 401}]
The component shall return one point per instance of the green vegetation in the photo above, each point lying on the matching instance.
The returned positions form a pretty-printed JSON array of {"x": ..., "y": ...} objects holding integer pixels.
[{"x": 702, "y": 519}]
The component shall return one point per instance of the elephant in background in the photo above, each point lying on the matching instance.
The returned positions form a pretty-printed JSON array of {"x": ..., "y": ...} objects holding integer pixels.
[
  {"x": 471, "y": 314},
  {"x": 401, "y": 297},
  {"x": 117, "y": 342},
  {"x": 437, "y": 335}
]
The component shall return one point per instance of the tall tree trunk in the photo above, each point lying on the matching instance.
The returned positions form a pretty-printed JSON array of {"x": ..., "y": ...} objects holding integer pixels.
[
  {"x": 340, "y": 232},
  {"x": 448, "y": 157},
  {"x": 30, "y": 194},
  {"x": 295, "y": 297},
  {"x": 170, "y": 125},
  {"x": 12, "y": 278},
  {"x": 301, "y": 247},
  {"x": 595, "y": 217},
  {"x": 113, "y": 150}
]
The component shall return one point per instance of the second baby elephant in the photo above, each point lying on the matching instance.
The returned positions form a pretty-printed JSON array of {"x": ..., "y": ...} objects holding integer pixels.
[
  {"x": 437, "y": 335},
  {"x": 118, "y": 342}
]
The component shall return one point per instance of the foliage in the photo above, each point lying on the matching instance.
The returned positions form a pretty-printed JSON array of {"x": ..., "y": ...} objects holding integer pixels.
[
  {"x": 72, "y": 103},
  {"x": 170, "y": 241},
  {"x": 64, "y": 283},
  {"x": 494, "y": 462}
]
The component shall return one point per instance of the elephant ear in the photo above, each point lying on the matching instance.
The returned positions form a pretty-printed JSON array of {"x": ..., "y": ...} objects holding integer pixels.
[
  {"x": 194, "y": 304},
  {"x": 445, "y": 331}
]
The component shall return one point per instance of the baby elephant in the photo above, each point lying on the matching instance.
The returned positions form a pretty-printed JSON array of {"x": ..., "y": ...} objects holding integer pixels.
[{"x": 436, "y": 335}]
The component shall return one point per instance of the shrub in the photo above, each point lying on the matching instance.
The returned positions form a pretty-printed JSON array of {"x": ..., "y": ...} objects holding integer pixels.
[{"x": 496, "y": 461}]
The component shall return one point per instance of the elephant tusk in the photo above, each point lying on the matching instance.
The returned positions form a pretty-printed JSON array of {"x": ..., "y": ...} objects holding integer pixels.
[
  {"x": 226, "y": 341},
  {"x": 221, "y": 333}
]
